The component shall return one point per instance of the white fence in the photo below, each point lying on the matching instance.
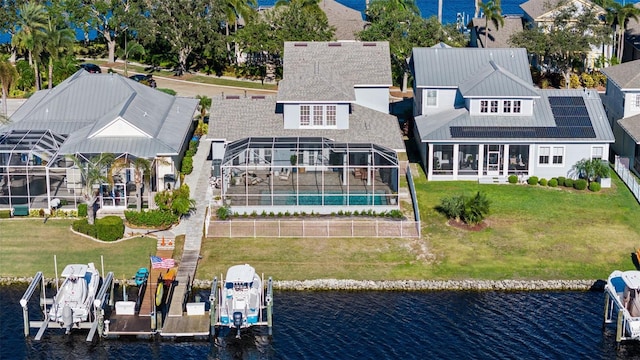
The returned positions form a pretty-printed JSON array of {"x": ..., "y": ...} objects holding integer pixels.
[
  {"x": 387, "y": 228},
  {"x": 628, "y": 177}
]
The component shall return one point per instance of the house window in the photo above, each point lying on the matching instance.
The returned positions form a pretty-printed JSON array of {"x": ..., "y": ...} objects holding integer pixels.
[
  {"x": 317, "y": 115},
  {"x": 545, "y": 151},
  {"x": 506, "y": 108},
  {"x": 432, "y": 98},
  {"x": 558, "y": 155},
  {"x": 517, "y": 104},
  {"x": 484, "y": 105},
  {"x": 637, "y": 102},
  {"x": 597, "y": 152},
  {"x": 305, "y": 115},
  {"x": 494, "y": 106},
  {"x": 331, "y": 115}
]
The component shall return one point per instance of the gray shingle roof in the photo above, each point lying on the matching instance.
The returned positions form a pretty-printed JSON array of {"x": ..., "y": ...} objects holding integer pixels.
[
  {"x": 347, "y": 21},
  {"x": 536, "y": 8},
  {"x": 436, "y": 128},
  {"x": 85, "y": 103},
  {"x": 631, "y": 126},
  {"x": 346, "y": 64},
  {"x": 234, "y": 119},
  {"x": 497, "y": 38},
  {"x": 450, "y": 67},
  {"x": 626, "y": 75},
  {"x": 495, "y": 81}
]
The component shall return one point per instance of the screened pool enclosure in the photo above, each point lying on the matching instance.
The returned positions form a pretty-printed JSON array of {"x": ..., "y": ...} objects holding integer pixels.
[{"x": 296, "y": 174}]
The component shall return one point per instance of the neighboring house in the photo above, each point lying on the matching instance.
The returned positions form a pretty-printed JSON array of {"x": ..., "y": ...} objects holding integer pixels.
[
  {"x": 543, "y": 14},
  {"x": 622, "y": 103},
  {"x": 85, "y": 115},
  {"x": 325, "y": 143},
  {"x": 496, "y": 38},
  {"x": 478, "y": 116}
]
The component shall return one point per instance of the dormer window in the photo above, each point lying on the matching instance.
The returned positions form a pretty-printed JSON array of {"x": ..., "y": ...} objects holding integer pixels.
[
  {"x": 517, "y": 106},
  {"x": 484, "y": 106},
  {"x": 494, "y": 106},
  {"x": 318, "y": 116},
  {"x": 507, "y": 106},
  {"x": 305, "y": 115},
  {"x": 432, "y": 97}
]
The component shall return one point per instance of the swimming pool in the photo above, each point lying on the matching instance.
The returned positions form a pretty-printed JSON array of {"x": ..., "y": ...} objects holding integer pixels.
[{"x": 287, "y": 198}]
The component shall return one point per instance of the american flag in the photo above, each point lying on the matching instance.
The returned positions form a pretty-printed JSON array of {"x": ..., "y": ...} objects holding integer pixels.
[{"x": 162, "y": 263}]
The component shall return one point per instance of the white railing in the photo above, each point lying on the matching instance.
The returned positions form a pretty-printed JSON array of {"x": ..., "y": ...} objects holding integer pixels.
[
  {"x": 386, "y": 228},
  {"x": 628, "y": 177}
]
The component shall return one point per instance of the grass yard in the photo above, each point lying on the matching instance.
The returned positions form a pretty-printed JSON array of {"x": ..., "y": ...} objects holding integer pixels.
[
  {"x": 534, "y": 232},
  {"x": 28, "y": 246}
]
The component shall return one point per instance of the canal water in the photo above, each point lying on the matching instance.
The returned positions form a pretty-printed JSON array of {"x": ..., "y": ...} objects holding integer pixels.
[{"x": 367, "y": 325}]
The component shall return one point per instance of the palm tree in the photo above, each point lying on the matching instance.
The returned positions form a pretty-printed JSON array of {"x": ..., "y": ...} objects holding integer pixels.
[
  {"x": 56, "y": 42},
  {"x": 591, "y": 169},
  {"x": 141, "y": 167},
  {"x": 205, "y": 104},
  {"x": 93, "y": 172},
  {"x": 234, "y": 10},
  {"x": 493, "y": 12},
  {"x": 131, "y": 48},
  {"x": 32, "y": 22},
  {"x": 8, "y": 74},
  {"x": 624, "y": 13}
]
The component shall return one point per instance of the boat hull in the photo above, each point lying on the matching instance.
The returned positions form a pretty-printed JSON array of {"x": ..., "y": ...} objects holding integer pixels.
[
  {"x": 74, "y": 301},
  {"x": 623, "y": 289}
]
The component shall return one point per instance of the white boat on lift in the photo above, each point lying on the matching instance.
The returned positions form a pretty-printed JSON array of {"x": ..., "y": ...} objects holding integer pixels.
[
  {"x": 622, "y": 295},
  {"x": 241, "y": 300},
  {"x": 74, "y": 300}
]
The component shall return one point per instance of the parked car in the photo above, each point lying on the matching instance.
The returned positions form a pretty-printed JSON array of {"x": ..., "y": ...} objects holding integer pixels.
[
  {"x": 144, "y": 79},
  {"x": 92, "y": 68}
]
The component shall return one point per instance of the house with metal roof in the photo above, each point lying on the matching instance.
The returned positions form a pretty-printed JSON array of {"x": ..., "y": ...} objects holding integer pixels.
[
  {"x": 544, "y": 14},
  {"x": 622, "y": 104},
  {"x": 478, "y": 116},
  {"x": 85, "y": 115},
  {"x": 325, "y": 143}
]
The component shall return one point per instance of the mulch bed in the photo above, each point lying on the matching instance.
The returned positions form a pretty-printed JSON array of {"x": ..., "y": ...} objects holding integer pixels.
[{"x": 468, "y": 227}]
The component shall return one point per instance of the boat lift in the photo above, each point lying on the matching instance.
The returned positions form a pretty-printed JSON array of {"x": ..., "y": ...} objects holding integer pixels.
[
  {"x": 266, "y": 306},
  {"x": 46, "y": 303}
]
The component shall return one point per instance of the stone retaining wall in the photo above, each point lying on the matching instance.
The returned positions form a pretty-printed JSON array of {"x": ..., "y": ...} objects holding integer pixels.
[{"x": 402, "y": 285}]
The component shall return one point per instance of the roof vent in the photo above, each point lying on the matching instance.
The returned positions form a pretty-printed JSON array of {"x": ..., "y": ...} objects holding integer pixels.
[
  {"x": 233, "y": 97},
  {"x": 300, "y": 44},
  {"x": 369, "y": 44},
  {"x": 257, "y": 96},
  {"x": 335, "y": 44}
]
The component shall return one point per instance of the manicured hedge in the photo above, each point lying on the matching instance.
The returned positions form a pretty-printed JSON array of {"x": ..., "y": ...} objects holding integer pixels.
[
  {"x": 187, "y": 165},
  {"x": 595, "y": 186},
  {"x": 580, "y": 184},
  {"x": 561, "y": 180},
  {"x": 5, "y": 214},
  {"x": 83, "y": 226},
  {"x": 513, "y": 179},
  {"x": 151, "y": 218},
  {"x": 533, "y": 180},
  {"x": 553, "y": 182},
  {"x": 568, "y": 182},
  {"x": 109, "y": 228},
  {"x": 542, "y": 182},
  {"x": 82, "y": 210}
]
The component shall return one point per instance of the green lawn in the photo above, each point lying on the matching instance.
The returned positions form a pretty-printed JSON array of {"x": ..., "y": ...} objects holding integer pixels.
[
  {"x": 28, "y": 245},
  {"x": 534, "y": 233}
]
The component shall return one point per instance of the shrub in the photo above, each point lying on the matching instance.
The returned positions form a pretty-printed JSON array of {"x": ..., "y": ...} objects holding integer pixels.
[
  {"x": 587, "y": 80},
  {"x": 41, "y": 212},
  {"x": 168, "y": 91},
  {"x": 187, "y": 165},
  {"x": 151, "y": 218},
  {"x": 82, "y": 210},
  {"x": 5, "y": 214},
  {"x": 223, "y": 212},
  {"x": 471, "y": 210},
  {"x": 595, "y": 186},
  {"x": 568, "y": 182},
  {"x": 561, "y": 180},
  {"x": 396, "y": 214},
  {"x": 532, "y": 180},
  {"x": 82, "y": 226},
  {"x": 542, "y": 182},
  {"x": 553, "y": 182},
  {"x": 109, "y": 228},
  {"x": 580, "y": 184},
  {"x": 513, "y": 179}
]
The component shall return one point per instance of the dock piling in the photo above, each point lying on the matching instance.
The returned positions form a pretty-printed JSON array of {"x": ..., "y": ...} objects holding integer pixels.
[{"x": 213, "y": 310}]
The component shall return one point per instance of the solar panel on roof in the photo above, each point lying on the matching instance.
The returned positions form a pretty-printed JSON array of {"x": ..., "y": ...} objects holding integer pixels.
[
  {"x": 566, "y": 101},
  {"x": 511, "y": 132},
  {"x": 569, "y": 111}
]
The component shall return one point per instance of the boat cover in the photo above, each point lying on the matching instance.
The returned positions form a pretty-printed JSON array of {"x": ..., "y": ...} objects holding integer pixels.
[
  {"x": 241, "y": 274},
  {"x": 632, "y": 279}
]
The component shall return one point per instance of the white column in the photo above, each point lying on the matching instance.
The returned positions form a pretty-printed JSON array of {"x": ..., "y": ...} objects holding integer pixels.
[
  {"x": 456, "y": 160},
  {"x": 505, "y": 160},
  {"x": 430, "y": 161},
  {"x": 480, "y": 159}
]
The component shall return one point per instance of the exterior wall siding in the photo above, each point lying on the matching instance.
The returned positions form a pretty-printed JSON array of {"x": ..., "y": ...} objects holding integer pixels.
[
  {"x": 572, "y": 154},
  {"x": 526, "y": 108},
  {"x": 446, "y": 101},
  {"x": 630, "y": 107},
  {"x": 373, "y": 98},
  {"x": 291, "y": 115}
]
